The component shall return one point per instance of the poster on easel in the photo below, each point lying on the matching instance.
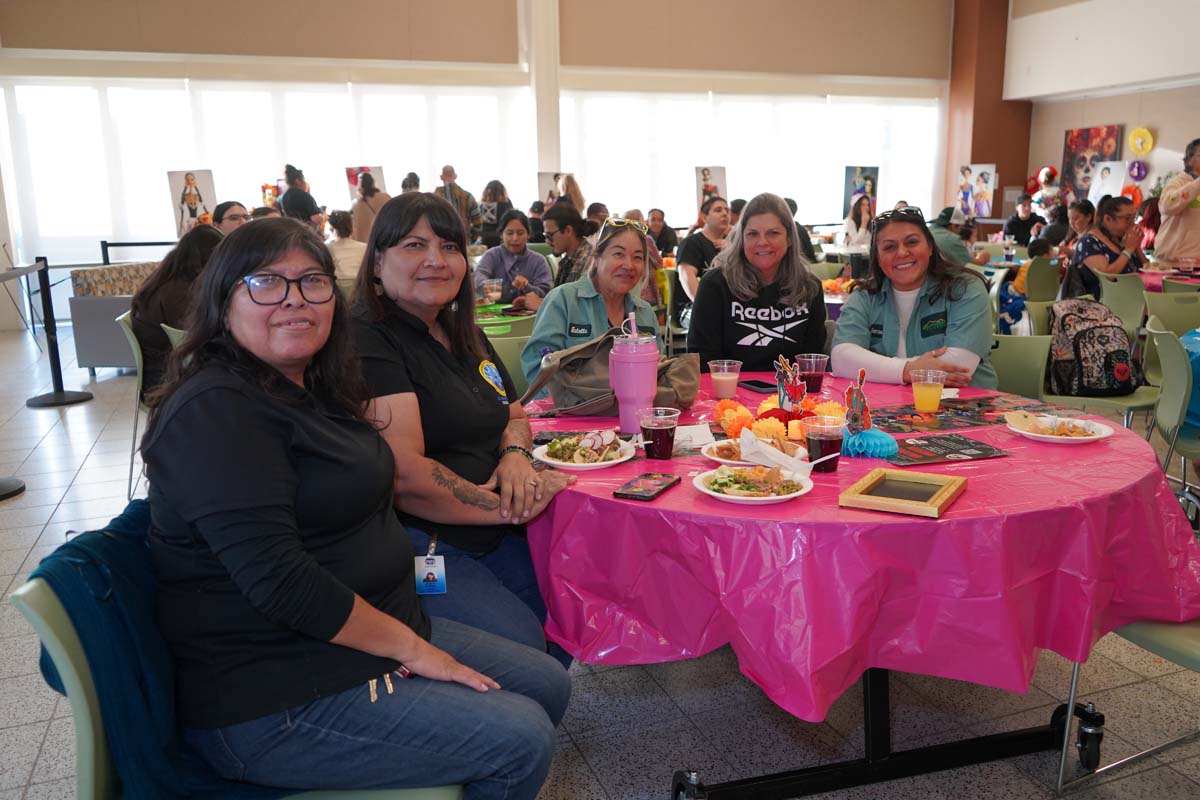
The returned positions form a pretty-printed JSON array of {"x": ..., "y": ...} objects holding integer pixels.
[
  {"x": 353, "y": 178},
  {"x": 547, "y": 183},
  {"x": 1109, "y": 178},
  {"x": 192, "y": 198},
  {"x": 860, "y": 181},
  {"x": 710, "y": 182},
  {"x": 976, "y": 195}
]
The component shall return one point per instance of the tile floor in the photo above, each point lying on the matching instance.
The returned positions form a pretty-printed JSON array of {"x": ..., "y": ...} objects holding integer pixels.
[{"x": 627, "y": 728}]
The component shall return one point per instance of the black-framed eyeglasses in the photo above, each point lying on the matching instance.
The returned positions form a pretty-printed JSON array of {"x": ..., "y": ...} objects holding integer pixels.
[
  {"x": 907, "y": 214},
  {"x": 621, "y": 222},
  {"x": 235, "y": 218},
  {"x": 271, "y": 288}
]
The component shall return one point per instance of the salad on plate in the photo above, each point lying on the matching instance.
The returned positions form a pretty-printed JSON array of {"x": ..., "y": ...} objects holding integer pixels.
[
  {"x": 593, "y": 447},
  {"x": 752, "y": 482}
]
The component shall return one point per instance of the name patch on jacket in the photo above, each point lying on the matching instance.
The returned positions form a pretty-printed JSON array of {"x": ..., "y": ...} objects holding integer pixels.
[
  {"x": 877, "y": 331},
  {"x": 934, "y": 324},
  {"x": 579, "y": 329}
]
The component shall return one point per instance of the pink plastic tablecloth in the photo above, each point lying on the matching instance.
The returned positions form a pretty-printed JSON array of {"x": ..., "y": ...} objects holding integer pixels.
[
  {"x": 1051, "y": 547},
  {"x": 1153, "y": 281}
]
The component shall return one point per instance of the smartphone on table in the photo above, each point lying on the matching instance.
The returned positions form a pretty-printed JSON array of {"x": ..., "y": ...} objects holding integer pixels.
[
  {"x": 762, "y": 387},
  {"x": 646, "y": 486}
]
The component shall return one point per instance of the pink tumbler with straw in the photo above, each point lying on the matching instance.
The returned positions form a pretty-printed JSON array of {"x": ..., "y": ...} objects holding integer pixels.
[{"x": 633, "y": 374}]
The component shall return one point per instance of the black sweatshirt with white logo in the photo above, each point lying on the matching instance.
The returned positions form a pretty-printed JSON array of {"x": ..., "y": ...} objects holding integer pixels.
[{"x": 752, "y": 331}]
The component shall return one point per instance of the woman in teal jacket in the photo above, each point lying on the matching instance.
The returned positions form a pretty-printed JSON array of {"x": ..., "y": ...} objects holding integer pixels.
[{"x": 915, "y": 311}]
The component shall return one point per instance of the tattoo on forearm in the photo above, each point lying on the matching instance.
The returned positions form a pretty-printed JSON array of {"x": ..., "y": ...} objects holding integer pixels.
[{"x": 465, "y": 493}]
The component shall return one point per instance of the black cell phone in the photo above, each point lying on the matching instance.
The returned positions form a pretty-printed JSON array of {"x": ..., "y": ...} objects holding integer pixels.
[
  {"x": 646, "y": 486},
  {"x": 762, "y": 387}
]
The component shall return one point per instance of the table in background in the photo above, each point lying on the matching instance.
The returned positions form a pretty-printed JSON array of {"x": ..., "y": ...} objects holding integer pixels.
[{"x": 1153, "y": 280}]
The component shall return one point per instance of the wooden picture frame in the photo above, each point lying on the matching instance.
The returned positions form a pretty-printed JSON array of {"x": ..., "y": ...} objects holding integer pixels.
[{"x": 927, "y": 494}]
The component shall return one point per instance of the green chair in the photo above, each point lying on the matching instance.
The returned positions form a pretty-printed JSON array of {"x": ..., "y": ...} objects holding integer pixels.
[
  {"x": 1039, "y": 316},
  {"x": 1020, "y": 364},
  {"x": 1171, "y": 286},
  {"x": 673, "y": 330},
  {"x": 174, "y": 335},
  {"x": 1170, "y": 415},
  {"x": 825, "y": 270},
  {"x": 541, "y": 247},
  {"x": 1178, "y": 312},
  {"x": 95, "y": 777},
  {"x": 996, "y": 280},
  {"x": 1123, "y": 294},
  {"x": 994, "y": 250},
  {"x": 552, "y": 261},
  {"x": 1041, "y": 279},
  {"x": 509, "y": 348},
  {"x": 125, "y": 321},
  {"x": 508, "y": 326}
]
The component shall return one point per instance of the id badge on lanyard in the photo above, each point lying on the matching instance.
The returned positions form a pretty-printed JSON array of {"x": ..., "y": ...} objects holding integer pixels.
[{"x": 430, "y": 571}]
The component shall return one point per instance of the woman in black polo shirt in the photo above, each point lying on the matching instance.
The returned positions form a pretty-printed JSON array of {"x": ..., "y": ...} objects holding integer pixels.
[
  {"x": 286, "y": 586},
  {"x": 449, "y": 411}
]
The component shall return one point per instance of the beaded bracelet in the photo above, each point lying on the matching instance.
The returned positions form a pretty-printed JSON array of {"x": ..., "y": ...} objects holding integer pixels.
[{"x": 516, "y": 448}]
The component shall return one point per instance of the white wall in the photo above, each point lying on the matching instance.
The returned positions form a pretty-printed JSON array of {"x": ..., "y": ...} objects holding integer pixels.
[{"x": 1098, "y": 46}]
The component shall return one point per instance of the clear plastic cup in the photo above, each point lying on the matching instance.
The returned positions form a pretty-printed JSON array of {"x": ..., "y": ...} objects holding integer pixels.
[
  {"x": 658, "y": 431},
  {"x": 927, "y": 389},
  {"x": 823, "y": 436},
  {"x": 492, "y": 289},
  {"x": 725, "y": 373},
  {"x": 812, "y": 370}
]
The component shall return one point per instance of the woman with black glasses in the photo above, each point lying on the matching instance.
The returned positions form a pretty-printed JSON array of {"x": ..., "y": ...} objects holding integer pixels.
[
  {"x": 915, "y": 311},
  {"x": 286, "y": 583}
]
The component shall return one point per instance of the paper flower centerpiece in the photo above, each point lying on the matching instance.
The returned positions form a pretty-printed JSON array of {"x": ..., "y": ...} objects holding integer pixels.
[{"x": 862, "y": 438}]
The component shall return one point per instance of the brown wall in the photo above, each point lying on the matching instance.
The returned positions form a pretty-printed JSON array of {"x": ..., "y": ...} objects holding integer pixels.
[
  {"x": 405, "y": 30},
  {"x": 849, "y": 37},
  {"x": 1172, "y": 115},
  {"x": 982, "y": 126}
]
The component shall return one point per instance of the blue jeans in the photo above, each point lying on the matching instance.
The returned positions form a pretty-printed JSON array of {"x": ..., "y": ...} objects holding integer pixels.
[
  {"x": 496, "y": 592},
  {"x": 497, "y": 744}
]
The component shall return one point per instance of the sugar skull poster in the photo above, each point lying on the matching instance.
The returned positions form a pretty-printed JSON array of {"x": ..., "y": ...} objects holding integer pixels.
[
  {"x": 193, "y": 197},
  {"x": 1083, "y": 150}
]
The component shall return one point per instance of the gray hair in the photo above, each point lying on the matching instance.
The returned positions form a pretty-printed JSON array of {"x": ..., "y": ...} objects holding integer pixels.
[{"x": 796, "y": 284}]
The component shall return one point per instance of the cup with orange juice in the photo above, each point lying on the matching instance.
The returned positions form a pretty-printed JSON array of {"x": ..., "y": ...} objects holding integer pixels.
[{"x": 927, "y": 389}]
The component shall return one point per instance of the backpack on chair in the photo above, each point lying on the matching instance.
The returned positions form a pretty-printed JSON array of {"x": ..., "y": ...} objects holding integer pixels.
[{"x": 1090, "y": 354}]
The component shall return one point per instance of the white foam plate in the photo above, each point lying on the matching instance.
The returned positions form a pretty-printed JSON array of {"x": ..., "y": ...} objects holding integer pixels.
[
  {"x": 1100, "y": 431},
  {"x": 706, "y": 451},
  {"x": 701, "y": 483},
  {"x": 627, "y": 452}
]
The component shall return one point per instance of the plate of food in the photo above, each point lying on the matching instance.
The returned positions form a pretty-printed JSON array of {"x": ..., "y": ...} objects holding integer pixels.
[
  {"x": 729, "y": 451},
  {"x": 585, "y": 451},
  {"x": 752, "y": 486},
  {"x": 1059, "y": 430}
]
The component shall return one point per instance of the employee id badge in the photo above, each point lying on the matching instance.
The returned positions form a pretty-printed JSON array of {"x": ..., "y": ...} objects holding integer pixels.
[{"x": 430, "y": 574}]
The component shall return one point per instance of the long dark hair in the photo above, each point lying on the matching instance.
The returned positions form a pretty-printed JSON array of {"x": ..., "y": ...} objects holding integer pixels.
[
  {"x": 366, "y": 185},
  {"x": 1110, "y": 206},
  {"x": 565, "y": 216},
  {"x": 856, "y": 212},
  {"x": 293, "y": 176},
  {"x": 184, "y": 263},
  {"x": 494, "y": 192},
  {"x": 333, "y": 374},
  {"x": 396, "y": 220},
  {"x": 951, "y": 278}
]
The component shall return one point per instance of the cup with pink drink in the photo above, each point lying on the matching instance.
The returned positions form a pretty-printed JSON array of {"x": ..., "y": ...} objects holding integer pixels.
[{"x": 724, "y": 373}]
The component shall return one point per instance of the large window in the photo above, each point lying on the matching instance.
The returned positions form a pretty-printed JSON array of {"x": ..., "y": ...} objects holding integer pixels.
[
  {"x": 639, "y": 150},
  {"x": 87, "y": 160}
]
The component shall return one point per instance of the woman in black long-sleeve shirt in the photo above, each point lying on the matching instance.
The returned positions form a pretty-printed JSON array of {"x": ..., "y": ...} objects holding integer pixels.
[
  {"x": 758, "y": 301},
  {"x": 286, "y": 582}
]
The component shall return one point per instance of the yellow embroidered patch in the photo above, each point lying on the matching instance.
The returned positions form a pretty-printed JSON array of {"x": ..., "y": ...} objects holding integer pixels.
[{"x": 492, "y": 375}]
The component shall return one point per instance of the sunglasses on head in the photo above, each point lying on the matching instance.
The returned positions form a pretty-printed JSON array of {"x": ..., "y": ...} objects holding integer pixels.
[
  {"x": 621, "y": 222},
  {"x": 905, "y": 214}
]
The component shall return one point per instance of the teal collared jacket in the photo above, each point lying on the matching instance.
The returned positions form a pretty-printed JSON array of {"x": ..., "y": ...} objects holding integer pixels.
[
  {"x": 574, "y": 313},
  {"x": 870, "y": 321}
]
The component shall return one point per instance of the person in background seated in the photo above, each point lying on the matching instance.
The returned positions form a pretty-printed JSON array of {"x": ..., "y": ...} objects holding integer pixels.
[
  {"x": 296, "y": 202},
  {"x": 654, "y": 261},
  {"x": 1058, "y": 228},
  {"x": 599, "y": 301},
  {"x": 1150, "y": 218},
  {"x": 464, "y": 479},
  {"x": 262, "y": 212},
  {"x": 900, "y": 204},
  {"x": 493, "y": 205},
  {"x": 735, "y": 211},
  {"x": 165, "y": 298},
  {"x": 370, "y": 199},
  {"x": 1179, "y": 204},
  {"x": 856, "y": 228},
  {"x": 1037, "y": 249},
  {"x": 947, "y": 235},
  {"x": 285, "y": 581},
  {"x": 665, "y": 238},
  {"x": 523, "y": 271},
  {"x": 1112, "y": 247},
  {"x": 597, "y": 213},
  {"x": 759, "y": 300},
  {"x": 1081, "y": 216},
  {"x": 567, "y": 234},
  {"x": 915, "y": 311},
  {"x": 411, "y": 183},
  {"x": 1023, "y": 225},
  {"x": 696, "y": 254},
  {"x": 537, "y": 235},
  {"x": 806, "y": 247},
  {"x": 229, "y": 216},
  {"x": 347, "y": 251}
]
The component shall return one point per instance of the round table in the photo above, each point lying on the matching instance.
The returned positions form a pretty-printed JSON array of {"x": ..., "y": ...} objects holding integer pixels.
[
  {"x": 1050, "y": 547},
  {"x": 1153, "y": 280}
]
